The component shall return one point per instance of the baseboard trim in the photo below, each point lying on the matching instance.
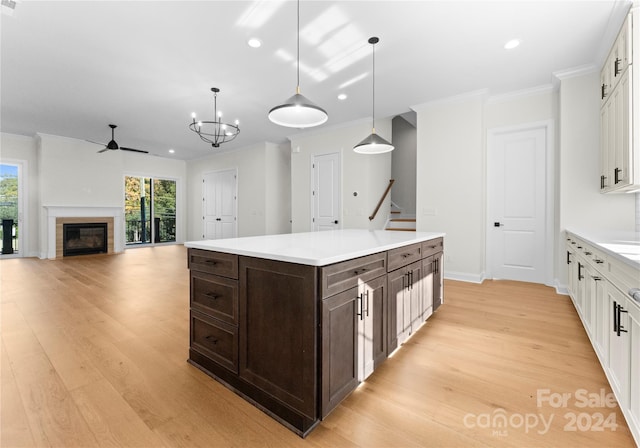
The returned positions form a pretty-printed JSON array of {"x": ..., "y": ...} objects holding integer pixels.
[{"x": 464, "y": 277}]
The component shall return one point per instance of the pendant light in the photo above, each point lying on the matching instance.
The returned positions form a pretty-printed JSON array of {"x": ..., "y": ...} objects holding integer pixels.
[
  {"x": 298, "y": 111},
  {"x": 373, "y": 144}
]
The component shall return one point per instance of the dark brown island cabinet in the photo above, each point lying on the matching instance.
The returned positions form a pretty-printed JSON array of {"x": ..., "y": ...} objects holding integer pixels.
[{"x": 294, "y": 332}]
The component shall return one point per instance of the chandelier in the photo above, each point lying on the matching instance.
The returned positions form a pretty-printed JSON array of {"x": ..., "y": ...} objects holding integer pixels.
[{"x": 215, "y": 132}]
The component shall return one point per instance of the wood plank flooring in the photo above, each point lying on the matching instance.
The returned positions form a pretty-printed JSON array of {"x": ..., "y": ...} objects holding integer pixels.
[{"x": 94, "y": 353}]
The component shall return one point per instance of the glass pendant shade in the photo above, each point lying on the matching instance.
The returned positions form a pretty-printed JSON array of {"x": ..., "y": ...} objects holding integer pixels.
[
  {"x": 373, "y": 144},
  {"x": 298, "y": 112}
]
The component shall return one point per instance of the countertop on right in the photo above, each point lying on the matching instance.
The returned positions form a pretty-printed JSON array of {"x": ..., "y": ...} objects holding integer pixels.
[{"x": 625, "y": 246}]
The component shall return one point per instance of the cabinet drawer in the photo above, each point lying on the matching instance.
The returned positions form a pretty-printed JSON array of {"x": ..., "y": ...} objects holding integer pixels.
[
  {"x": 432, "y": 247},
  {"x": 217, "y": 263},
  {"x": 215, "y": 340},
  {"x": 341, "y": 276},
  {"x": 215, "y": 296},
  {"x": 402, "y": 256}
]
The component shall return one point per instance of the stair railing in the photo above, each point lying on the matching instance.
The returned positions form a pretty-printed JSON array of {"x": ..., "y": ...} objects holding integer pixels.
[{"x": 384, "y": 195}]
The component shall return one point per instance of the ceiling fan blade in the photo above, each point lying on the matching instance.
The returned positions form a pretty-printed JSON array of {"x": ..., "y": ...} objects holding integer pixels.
[
  {"x": 103, "y": 150},
  {"x": 134, "y": 150}
]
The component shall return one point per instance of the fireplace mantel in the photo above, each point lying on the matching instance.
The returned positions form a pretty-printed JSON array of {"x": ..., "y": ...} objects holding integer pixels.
[{"x": 53, "y": 212}]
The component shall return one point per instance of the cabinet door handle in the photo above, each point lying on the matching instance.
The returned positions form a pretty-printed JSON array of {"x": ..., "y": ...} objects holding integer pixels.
[
  {"x": 620, "y": 327},
  {"x": 358, "y": 272},
  {"x": 580, "y": 276},
  {"x": 359, "y": 299},
  {"x": 596, "y": 278},
  {"x": 213, "y": 341},
  {"x": 616, "y": 177},
  {"x": 587, "y": 253},
  {"x": 210, "y": 261},
  {"x": 601, "y": 182},
  {"x": 615, "y": 317},
  {"x": 603, "y": 93},
  {"x": 568, "y": 257},
  {"x": 616, "y": 67},
  {"x": 599, "y": 261},
  {"x": 212, "y": 296}
]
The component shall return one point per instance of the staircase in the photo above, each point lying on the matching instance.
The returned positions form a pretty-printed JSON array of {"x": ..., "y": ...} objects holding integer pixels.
[{"x": 399, "y": 221}]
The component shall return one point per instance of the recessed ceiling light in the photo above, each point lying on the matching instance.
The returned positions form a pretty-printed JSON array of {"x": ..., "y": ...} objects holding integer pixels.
[
  {"x": 342, "y": 96},
  {"x": 513, "y": 43},
  {"x": 254, "y": 43},
  {"x": 171, "y": 151}
]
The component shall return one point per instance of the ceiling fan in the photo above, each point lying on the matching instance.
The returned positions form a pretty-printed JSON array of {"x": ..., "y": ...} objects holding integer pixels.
[{"x": 112, "y": 145}]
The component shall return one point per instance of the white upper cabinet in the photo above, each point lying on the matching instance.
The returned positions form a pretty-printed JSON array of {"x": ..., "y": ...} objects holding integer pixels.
[{"x": 620, "y": 113}]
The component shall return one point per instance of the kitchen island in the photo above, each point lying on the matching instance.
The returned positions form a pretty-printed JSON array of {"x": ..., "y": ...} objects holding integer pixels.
[{"x": 293, "y": 323}]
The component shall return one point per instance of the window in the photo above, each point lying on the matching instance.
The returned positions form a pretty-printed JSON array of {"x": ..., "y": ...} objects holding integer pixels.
[
  {"x": 9, "y": 208},
  {"x": 150, "y": 210}
]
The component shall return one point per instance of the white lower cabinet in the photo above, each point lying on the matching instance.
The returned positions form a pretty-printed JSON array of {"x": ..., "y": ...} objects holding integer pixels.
[
  {"x": 619, "y": 345},
  {"x": 598, "y": 284}
]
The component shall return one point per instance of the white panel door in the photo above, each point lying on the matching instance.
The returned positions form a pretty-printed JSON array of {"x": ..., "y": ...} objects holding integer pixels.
[
  {"x": 516, "y": 179},
  {"x": 326, "y": 192},
  {"x": 219, "y": 204}
]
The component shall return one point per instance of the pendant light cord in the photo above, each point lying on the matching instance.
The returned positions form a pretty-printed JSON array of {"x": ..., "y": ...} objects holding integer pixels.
[
  {"x": 298, "y": 50},
  {"x": 373, "y": 88}
]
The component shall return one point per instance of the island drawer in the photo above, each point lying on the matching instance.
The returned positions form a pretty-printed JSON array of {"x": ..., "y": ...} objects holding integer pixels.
[
  {"x": 215, "y": 340},
  {"x": 217, "y": 263},
  {"x": 341, "y": 276},
  {"x": 403, "y": 256},
  {"x": 215, "y": 296},
  {"x": 432, "y": 247}
]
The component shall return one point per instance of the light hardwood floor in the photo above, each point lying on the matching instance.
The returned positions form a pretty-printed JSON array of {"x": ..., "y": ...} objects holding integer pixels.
[{"x": 94, "y": 353}]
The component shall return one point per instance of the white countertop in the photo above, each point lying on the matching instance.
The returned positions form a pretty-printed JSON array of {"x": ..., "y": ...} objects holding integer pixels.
[
  {"x": 625, "y": 246},
  {"x": 316, "y": 248}
]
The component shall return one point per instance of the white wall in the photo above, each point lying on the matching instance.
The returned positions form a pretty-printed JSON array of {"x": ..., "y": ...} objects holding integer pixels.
[
  {"x": 368, "y": 175},
  {"x": 403, "y": 166},
  {"x": 581, "y": 204},
  {"x": 277, "y": 189},
  {"x": 262, "y": 172},
  {"x": 450, "y": 191},
  {"x": 72, "y": 173},
  {"x": 18, "y": 148}
]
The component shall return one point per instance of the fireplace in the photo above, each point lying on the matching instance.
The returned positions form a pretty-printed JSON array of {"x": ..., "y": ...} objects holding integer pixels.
[{"x": 84, "y": 238}]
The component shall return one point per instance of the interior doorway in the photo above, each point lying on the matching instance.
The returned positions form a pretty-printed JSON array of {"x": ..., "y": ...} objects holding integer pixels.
[
  {"x": 219, "y": 204},
  {"x": 519, "y": 192},
  {"x": 326, "y": 194}
]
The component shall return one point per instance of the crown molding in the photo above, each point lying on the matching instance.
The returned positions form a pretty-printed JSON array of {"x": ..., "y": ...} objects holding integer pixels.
[
  {"x": 456, "y": 99},
  {"x": 518, "y": 94},
  {"x": 575, "y": 71}
]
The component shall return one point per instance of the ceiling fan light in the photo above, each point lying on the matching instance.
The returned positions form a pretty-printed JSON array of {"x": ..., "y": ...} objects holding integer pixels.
[
  {"x": 373, "y": 144},
  {"x": 298, "y": 112}
]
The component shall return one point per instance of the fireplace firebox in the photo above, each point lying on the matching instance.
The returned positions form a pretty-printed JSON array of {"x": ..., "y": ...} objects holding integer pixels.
[{"x": 84, "y": 238}]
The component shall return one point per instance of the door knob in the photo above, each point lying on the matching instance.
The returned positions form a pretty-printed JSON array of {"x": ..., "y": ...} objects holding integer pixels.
[
  {"x": 497, "y": 224},
  {"x": 335, "y": 222},
  {"x": 218, "y": 219}
]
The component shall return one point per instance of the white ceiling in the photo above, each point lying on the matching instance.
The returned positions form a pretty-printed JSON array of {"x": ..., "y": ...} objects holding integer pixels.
[{"x": 70, "y": 68}]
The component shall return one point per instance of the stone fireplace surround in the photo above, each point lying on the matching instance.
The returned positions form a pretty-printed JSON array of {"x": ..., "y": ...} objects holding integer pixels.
[{"x": 56, "y": 216}]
